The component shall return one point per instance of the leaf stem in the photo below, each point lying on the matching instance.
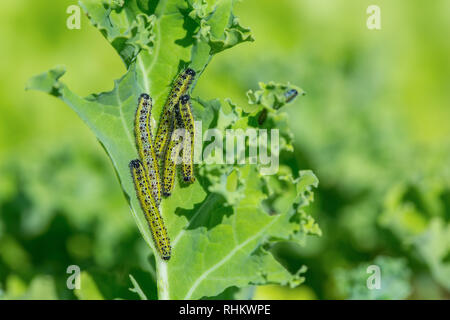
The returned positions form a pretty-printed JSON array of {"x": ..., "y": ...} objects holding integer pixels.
[{"x": 163, "y": 280}]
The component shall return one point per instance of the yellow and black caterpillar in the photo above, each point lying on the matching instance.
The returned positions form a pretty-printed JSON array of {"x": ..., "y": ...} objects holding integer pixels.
[
  {"x": 145, "y": 147},
  {"x": 187, "y": 118},
  {"x": 151, "y": 211}
]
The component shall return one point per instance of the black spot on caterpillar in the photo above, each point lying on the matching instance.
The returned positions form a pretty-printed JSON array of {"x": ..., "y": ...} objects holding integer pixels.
[
  {"x": 143, "y": 133},
  {"x": 148, "y": 205},
  {"x": 179, "y": 88}
]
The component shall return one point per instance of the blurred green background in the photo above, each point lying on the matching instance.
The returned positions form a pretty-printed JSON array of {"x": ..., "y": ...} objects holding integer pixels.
[{"x": 374, "y": 127}]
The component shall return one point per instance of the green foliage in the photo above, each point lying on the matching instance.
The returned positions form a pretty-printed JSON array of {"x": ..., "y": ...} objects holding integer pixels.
[
  {"x": 417, "y": 214},
  {"x": 40, "y": 288},
  {"x": 222, "y": 226},
  {"x": 370, "y": 124}
]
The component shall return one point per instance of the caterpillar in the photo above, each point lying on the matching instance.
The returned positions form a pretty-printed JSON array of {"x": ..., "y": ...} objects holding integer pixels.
[
  {"x": 187, "y": 118},
  {"x": 290, "y": 95},
  {"x": 148, "y": 205},
  {"x": 172, "y": 153},
  {"x": 145, "y": 147},
  {"x": 179, "y": 88}
]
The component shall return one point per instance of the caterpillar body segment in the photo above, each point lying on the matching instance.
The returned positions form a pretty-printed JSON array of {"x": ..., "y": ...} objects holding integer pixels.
[
  {"x": 172, "y": 154},
  {"x": 151, "y": 211},
  {"x": 164, "y": 132},
  {"x": 187, "y": 165}
]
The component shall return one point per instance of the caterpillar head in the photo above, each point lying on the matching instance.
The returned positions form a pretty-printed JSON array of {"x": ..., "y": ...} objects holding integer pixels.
[
  {"x": 134, "y": 164},
  {"x": 145, "y": 96},
  {"x": 184, "y": 99},
  {"x": 190, "y": 72}
]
